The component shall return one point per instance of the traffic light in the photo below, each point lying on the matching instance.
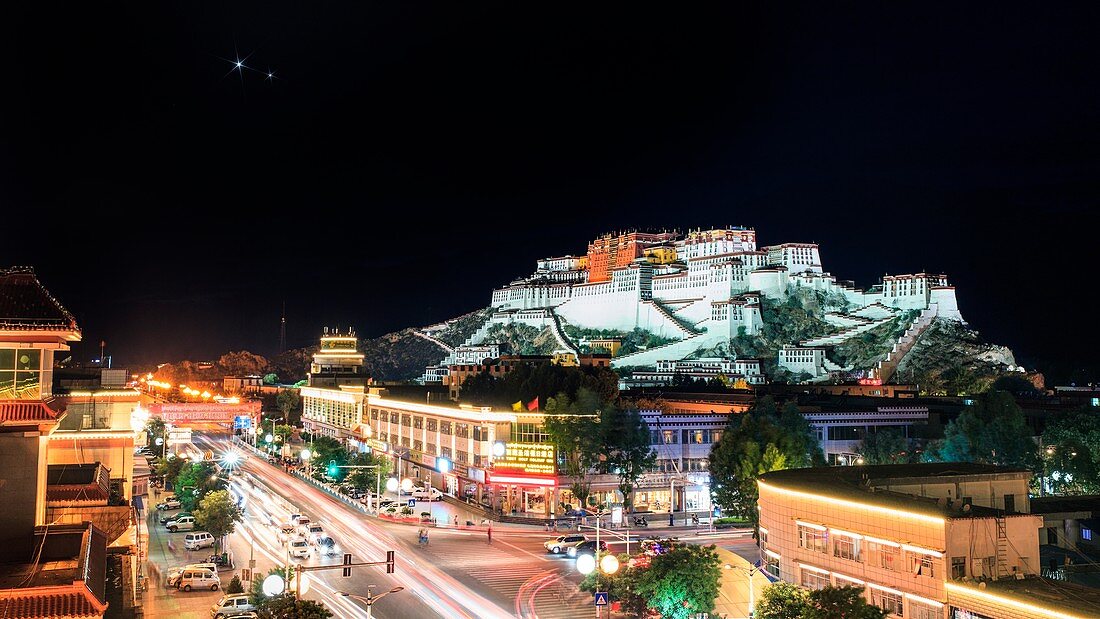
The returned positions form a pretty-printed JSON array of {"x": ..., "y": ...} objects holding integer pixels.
[
  {"x": 332, "y": 469},
  {"x": 389, "y": 561}
]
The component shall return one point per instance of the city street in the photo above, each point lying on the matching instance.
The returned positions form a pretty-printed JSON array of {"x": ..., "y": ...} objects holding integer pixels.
[{"x": 458, "y": 574}]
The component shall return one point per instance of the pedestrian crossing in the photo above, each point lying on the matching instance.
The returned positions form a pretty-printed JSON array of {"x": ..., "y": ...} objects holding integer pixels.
[{"x": 513, "y": 576}]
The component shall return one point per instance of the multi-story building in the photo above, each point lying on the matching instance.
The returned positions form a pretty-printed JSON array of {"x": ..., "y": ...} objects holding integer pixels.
[
  {"x": 734, "y": 370},
  {"x": 242, "y": 384},
  {"x": 615, "y": 251},
  {"x": 917, "y": 537},
  {"x": 338, "y": 362},
  {"x": 841, "y": 431}
]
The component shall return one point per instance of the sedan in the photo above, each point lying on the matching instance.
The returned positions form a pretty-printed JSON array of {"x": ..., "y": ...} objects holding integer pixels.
[{"x": 172, "y": 503}]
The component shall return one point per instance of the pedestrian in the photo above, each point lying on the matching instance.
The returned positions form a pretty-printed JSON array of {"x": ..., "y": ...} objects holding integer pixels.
[
  {"x": 670, "y": 523},
  {"x": 456, "y": 520},
  {"x": 489, "y": 532}
]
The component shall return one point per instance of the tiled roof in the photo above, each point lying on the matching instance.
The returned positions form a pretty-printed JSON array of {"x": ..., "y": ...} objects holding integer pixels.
[
  {"x": 25, "y": 305},
  {"x": 28, "y": 605},
  {"x": 26, "y": 410},
  {"x": 77, "y": 482}
]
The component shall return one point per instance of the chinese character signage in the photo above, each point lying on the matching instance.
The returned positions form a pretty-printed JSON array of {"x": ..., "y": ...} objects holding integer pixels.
[{"x": 534, "y": 458}]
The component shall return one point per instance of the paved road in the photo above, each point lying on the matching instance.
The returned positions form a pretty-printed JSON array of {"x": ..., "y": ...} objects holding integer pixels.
[{"x": 458, "y": 574}]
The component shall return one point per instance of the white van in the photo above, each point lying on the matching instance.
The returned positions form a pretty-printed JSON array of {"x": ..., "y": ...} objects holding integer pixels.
[
  {"x": 427, "y": 494},
  {"x": 199, "y": 579},
  {"x": 198, "y": 539}
]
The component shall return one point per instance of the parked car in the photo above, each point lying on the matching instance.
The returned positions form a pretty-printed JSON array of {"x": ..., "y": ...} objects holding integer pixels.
[
  {"x": 587, "y": 547},
  {"x": 175, "y": 573},
  {"x": 426, "y": 494},
  {"x": 169, "y": 503},
  {"x": 385, "y": 504},
  {"x": 186, "y": 523},
  {"x": 198, "y": 539},
  {"x": 194, "y": 578},
  {"x": 231, "y": 606},
  {"x": 299, "y": 548},
  {"x": 165, "y": 519},
  {"x": 563, "y": 543},
  {"x": 303, "y": 523}
]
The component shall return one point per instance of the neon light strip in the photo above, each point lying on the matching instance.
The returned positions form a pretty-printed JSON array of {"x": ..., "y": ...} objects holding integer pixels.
[
  {"x": 849, "y": 578},
  {"x": 917, "y": 598},
  {"x": 843, "y": 533},
  {"x": 101, "y": 394},
  {"x": 886, "y": 589},
  {"x": 812, "y": 568},
  {"x": 1011, "y": 602},
  {"x": 816, "y": 527},
  {"x": 884, "y": 542},
  {"x": 923, "y": 551},
  {"x": 528, "y": 481},
  {"x": 847, "y": 503},
  {"x": 772, "y": 554}
]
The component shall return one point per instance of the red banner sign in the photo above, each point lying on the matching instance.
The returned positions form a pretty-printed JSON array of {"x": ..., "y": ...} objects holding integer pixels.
[{"x": 182, "y": 412}]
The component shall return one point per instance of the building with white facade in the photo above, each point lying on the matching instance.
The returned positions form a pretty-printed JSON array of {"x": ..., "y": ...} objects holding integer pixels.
[
  {"x": 734, "y": 370},
  {"x": 919, "y": 539},
  {"x": 841, "y": 432}
]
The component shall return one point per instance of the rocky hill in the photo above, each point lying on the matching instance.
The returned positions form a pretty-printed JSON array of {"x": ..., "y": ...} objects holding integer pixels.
[{"x": 951, "y": 358}]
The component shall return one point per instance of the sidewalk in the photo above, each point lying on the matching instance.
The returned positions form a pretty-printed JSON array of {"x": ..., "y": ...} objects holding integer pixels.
[
  {"x": 733, "y": 592},
  {"x": 157, "y": 600}
]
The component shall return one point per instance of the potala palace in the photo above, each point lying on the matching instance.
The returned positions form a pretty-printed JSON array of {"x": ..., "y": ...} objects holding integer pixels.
[{"x": 698, "y": 290}]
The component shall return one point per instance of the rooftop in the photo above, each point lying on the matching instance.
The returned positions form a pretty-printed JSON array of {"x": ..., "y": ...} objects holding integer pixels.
[
  {"x": 861, "y": 484},
  {"x": 22, "y": 412},
  {"x": 1071, "y": 599},
  {"x": 1058, "y": 504},
  {"x": 68, "y": 580},
  {"x": 77, "y": 482},
  {"x": 25, "y": 305}
]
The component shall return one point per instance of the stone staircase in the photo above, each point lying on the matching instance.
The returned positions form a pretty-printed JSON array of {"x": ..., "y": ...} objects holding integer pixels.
[
  {"x": 845, "y": 320},
  {"x": 559, "y": 333},
  {"x": 687, "y": 328},
  {"x": 874, "y": 311},
  {"x": 886, "y": 368},
  {"x": 434, "y": 340},
  {"x": 671, "y": 350},
  {"x": 844, "y": 334}
]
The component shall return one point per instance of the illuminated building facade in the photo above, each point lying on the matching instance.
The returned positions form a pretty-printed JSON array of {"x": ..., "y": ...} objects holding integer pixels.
[
  {"x": 917, "y": 538},
  {"x": 338, "y": 362}
]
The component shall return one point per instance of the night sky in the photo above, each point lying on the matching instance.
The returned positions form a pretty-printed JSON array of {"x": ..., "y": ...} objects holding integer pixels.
[{"x": 406, "y": 159}]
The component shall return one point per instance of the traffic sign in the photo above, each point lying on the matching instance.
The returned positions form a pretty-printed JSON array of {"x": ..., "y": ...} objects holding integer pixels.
[
  {"x": 600, "y": 598},
  {"x": 347, "y": 561},
  {"x": 246, "y": 574},
  {"x": 412, "y": 502}
]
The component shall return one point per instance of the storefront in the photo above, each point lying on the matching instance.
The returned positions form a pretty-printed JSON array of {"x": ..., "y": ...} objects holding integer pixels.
[{"x": 524, "y": 479}]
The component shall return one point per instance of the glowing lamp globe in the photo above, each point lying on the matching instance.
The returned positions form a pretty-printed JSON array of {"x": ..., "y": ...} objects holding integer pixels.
[
  {"x": 609, "y": 564},
  {"x": 392, "y": 484},
  {"x": 159, "y": 441},
  {"x": 498, "y": 449},
  {"x": 306, "y": 454},
  {"x": 269, "y": 438},
  {"x": 274, "y": 585},
  {"x": 586, "y": 564},
  {"x": 406, "y": 484}
]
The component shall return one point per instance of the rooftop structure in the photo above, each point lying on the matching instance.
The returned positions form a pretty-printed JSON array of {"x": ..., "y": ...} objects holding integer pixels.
[{"x": 67, "y": 579}]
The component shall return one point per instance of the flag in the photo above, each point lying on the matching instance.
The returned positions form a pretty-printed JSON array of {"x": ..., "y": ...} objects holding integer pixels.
[
  {"x": 518, "y": 406},
  {"x": 533, "y": 405}
]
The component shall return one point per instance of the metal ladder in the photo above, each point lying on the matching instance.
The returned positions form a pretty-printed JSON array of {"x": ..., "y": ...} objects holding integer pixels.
[{"x": 1002, "y": 550}]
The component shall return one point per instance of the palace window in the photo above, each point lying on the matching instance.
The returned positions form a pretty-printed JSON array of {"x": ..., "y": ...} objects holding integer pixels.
[
  {"x": 813, "y": 539},
  {"x": 20, "y": 373}
]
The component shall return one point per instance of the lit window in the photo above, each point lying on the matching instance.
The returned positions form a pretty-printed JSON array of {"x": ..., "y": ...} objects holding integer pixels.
[
  {"x": 846, "y": 547},
  {"x": 920, "y": 610},
  {"x": 921, "y": 564},
  {"x": 814, "y": 580},
  {"x": 888, "y": 601},
  {"x": 1086, "y": 534},
  {"x": 813, "y": 539}
]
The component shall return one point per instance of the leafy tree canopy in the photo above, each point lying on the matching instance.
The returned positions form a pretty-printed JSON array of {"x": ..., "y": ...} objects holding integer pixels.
[
  {"x": 990, "y": 431},
  {"x": 217, "y": 514},
  {"x": 886, "y": 446},
  {"x": 286, "y": 606},
  {"x": 203, "y": 477},
  {"x": 1071, "y": 452},
  {"x": 682, "y": 582}
]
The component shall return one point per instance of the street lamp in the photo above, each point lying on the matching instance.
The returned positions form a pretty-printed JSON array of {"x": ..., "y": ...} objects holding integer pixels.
[
  {"x": 751, "y": 570},
  {"x": 370, "y": 598},
  {"x": 306, "y": 455}
]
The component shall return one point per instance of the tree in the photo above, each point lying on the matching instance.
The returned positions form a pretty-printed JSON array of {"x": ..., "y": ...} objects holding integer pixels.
[
  {"x": 234, "y": 586},
  {"x": 170, "y": 469},
  {"x": 284, "y": 432},
  {"x": 154, "y": 429},
  {"x": 286, "y": 606},
  {"x": 202, "y": 477},
  {"x": 369, "y": 479},
  {"x": 887, "y": 446},
  {"x": 629, "y": 453},
  {"x": 990, "y": 431},
  {"x": 782, "y": 600},
  {"x": 218, "y": 515},
  {"x": 288, "y": 402},
  {"x": 256, "y": 595},
  {"x": 271, "y": 378},
  {"x": 847, "y": 602},
  {"x": 622, "y": 587},
  {"x": 1071, "y": 453},
  {"x": 682, "y": 582},
  {"x": 327, "y": 449},
  {"x": 576, "y": 439},
  {"x": 754, "y": 443}
]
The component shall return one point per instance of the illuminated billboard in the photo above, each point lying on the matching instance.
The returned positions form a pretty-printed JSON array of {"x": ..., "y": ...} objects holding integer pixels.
[{"x": 529, "y": 458}]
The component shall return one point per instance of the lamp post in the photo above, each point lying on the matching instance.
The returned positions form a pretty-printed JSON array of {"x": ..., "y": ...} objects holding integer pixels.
[
  {"x": 751, "y": 571},
  {"x": 370, "y": 598},
  {"x": 307, "y": 456},
  {"x": 608, "y": 564}
]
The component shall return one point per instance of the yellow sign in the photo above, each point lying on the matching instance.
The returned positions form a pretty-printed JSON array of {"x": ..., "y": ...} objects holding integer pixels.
[
  {"x": 378, "y": 445},
  {"x": 535, "y": 458}
]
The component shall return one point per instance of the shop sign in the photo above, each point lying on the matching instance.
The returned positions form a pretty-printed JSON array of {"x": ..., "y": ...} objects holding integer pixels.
[
  {"x": 531, "y": 458},
  {"x": 377, "y": 445},
  {"x": 477, "y": 475}
]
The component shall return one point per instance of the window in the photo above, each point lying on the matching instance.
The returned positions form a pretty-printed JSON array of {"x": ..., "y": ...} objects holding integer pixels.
[
  {"x": 462, "y": 457},
  {"x": 406, "y": 420},
  {"x": 920, "y": 610},
  {"x": 374, "y": 414},
  {"x": 813, "y": 539},
  {"x": 405, "y": 442},
  {"x": 888, "y": 601},
  {"x": 445, "y": 452},
  {"x": 922, "y": 564},
  {"x": 395, "y": 417},
  {"x": 846, "y": 547},
  {"x": 884, "y": 555},
  {"x": 669, "y": 437},
  {"x": 433, "y": 425},
  {"x": 771, "y": 565},
  {"x": 444, "y": 427},
  {"x": 462, "y": 430},
  {"x": 1086, "y": 534},
  {"x": 763, "y": 539},
  {"x": 814, "y": 580},
  {"x": 958, "y": 567},
  {"x": 20, "y": 373},
  {"x": 418, "y": 445},
  {"x": 418, "y": 423},
  {"x": 481, "y": 433}
]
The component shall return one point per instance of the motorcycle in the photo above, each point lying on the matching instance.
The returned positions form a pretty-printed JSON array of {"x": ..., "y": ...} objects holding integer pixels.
[{"x": 641, "y": 522}]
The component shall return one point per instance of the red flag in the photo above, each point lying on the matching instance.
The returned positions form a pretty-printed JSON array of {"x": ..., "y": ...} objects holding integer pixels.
[{"x": 533, "y": 405}]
